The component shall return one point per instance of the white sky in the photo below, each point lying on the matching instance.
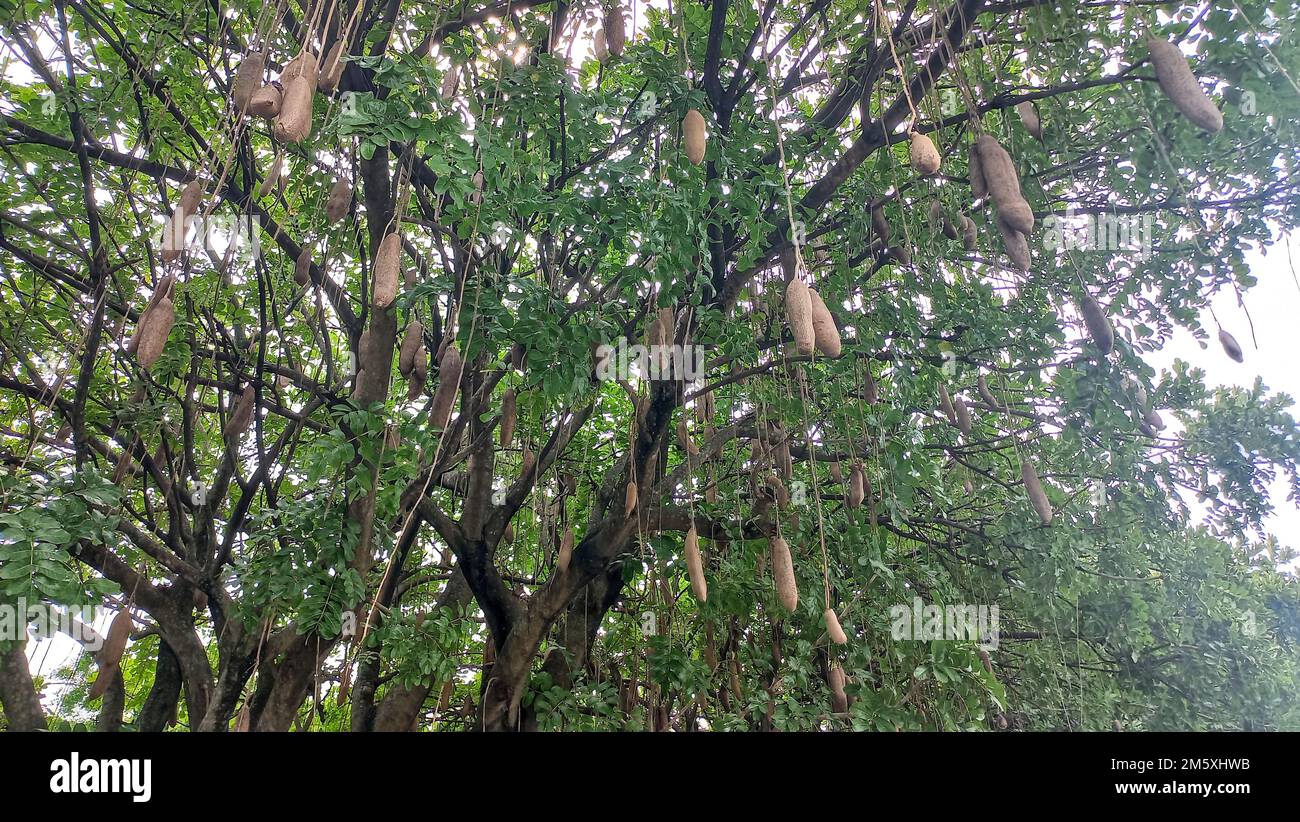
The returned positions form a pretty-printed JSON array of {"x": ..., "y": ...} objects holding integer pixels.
[{"x": 1274, "y": 306}]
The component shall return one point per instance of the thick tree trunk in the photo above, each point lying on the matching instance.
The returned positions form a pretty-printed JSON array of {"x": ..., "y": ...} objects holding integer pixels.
[
  {"x": 160, "y": 704},
  {"x": 401, "y": 705},
  {"x": 18, "y": 696},
  {"x": 114, "y": 704}
]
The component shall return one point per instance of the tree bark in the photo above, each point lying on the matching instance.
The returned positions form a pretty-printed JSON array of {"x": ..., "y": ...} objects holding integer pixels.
[{"x": 18, "y": 696}]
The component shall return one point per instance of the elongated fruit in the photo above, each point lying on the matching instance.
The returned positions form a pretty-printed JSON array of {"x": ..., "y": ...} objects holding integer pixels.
[
  {"x": 508, "y": 417},
  {"x": 1030, "y": 120},
  {"x": 1181, "y": 86},
  {"x": 332, "y": 71},
  {"x": 340, "y": 200},
  {"x": 783, "y": 572},
  {"x": 833, "y": 629},
  {"x": 1099, "y": 328},
  {"x": 1230, "y": 346},
  {"x": 248, "y": 79},
  {"x": 302, "y": 266},
  {"x": 615, "y": 32},
  {"x": 411, "y": 342},
  {"x": 299, "y": 81},
  {"x": 695, "y": 565},
  {"x": 241, "y": 416},
  {"x": 1034, "y": 488},
  {"x": 387, "y": 261},
  {"x": 163, "y": 290},
  {"x": 1004, "y": 185},
  {"x": 154, "y": 333},
  {"x": 798, "y": 313},
  {"x": 267, "y": 101},
  {"x": 945, "y": 404},
  {"x": 925, "y": 157},
  {"x": 825, "y": 335},
  {"x": 975, "y": 170},
  {"x": 566, "y": 552},
  {"x": 693, "y": 135},
  {"x": 839, "y": 699},
  {"x": 449, "y": 370},
  {"x": 963, "y": 416},
  {"x": 857, "y": 487}
]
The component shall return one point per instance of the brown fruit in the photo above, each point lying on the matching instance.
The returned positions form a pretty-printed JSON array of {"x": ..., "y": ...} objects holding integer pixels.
[
  {"x": 450, "y": 81},
  {"x": 1230, "y": 346},
  {"x": 339, "y": 201},
  {"x": 693, "y": 135},
  {"x": 599, "y": 49},
  {"x": 615, "y": 33},
  {"x": 969, "y": 233},
  {"x": 783, "y": 572},
  {"x": 345, "y": 684},
  {"x": 566, "y": 552},
  {"x": 1016, "y": 245},
  {"x": 925, "y": 157},
  {"x": 248, "y": 78},
  {"x": 267, "y": 101},
  {"x": 857, "y": 487},
  {"x": 879, "y": 225},
  {"x": 945, "y": 404},
  {"x": 163, "y": 290},
  {"x": 963, "y": 416},
  {"x": 839, "y": 699},
  {"x": 985, "y": 659},
  {"x": 1103, "y": 336},
  {"x": 272, "y": 177},
  {"x": 419, "y": 373},
  {"x": 975, "y": 170},
  {"x": 1004, "y": 185},
  {"x": 387, "y": 261},
  {"x": 119, "y": 632},
  {"x": 174, "y": 240},
  {"x": 837, "y": 473},
  {"x": 302, "y": 267},
  {"x": 833, "y": 629},
  {"x": 1030, "y": 120},
  {"x": 332, "y": 71},
  {"x": 242, "y": 414},
  {"x": 449, "y": 370},
  {"x": 695, "y": 565},
  {"x": 508, "y": 417},
  {"x": 798, "y": 313},
  {"x": 192, "y": 198},
  {"x": 154, "y": 333},
  {"x": 1181, "y": 86},
  {"x": 825, "y": 335},
  {"x": 684, "y": 440},
  {"x": 901, "y": 254},
  {"x": 629, "y": 500},
  {"x": 411, "y": 342},
  {"x": 870, "y": 392},
  {"x": 778, "y": 488},
  {"x": 985, "y": 393},
  {"x": 1034, "y": 488},
  {"x": 299, "y": 81}
]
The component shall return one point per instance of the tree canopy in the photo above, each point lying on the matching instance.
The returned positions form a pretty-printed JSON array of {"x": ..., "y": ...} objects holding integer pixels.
[{"x": 317, "y": 359}]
